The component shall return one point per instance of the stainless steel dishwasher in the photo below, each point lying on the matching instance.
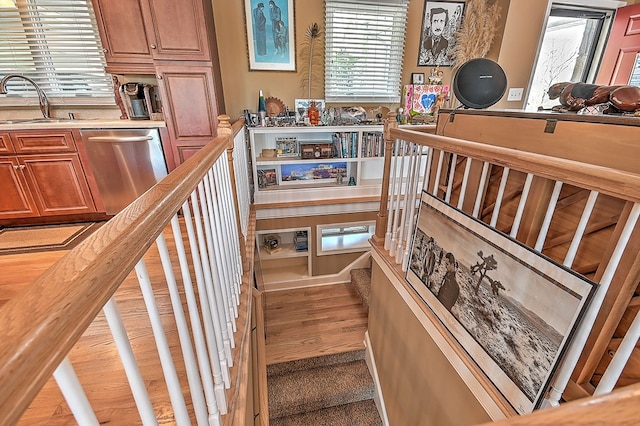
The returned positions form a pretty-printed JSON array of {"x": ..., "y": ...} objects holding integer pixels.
[{"x": 125, "y": 163}]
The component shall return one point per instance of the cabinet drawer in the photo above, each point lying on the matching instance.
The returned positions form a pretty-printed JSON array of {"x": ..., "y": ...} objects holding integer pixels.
[
  {"x": 5, "y": 144},
  {"x": 43, "y": 142}
]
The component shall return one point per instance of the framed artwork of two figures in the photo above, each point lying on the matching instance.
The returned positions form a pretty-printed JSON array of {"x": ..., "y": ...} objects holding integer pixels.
[{"x": 270, "y": 35}]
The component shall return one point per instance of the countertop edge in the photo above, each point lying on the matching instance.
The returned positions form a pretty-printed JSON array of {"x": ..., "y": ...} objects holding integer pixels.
[{"x": 85, "y": 124}]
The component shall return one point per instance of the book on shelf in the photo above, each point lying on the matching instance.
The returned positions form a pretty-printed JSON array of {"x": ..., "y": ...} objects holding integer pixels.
[{"x": 345, "y": 144}]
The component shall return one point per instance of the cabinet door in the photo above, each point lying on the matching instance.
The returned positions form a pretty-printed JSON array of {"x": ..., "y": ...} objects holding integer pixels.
[
  {"x": 179, "y": 30},
  {"x": 43, "y": 141},
  {"x": 123, "y": 31},
  {"x": 5, "y": 144},
  {"x": 190, "y": 106},
  {"x": 58, "y": 184},
  {"x": 16, "y": 201}
]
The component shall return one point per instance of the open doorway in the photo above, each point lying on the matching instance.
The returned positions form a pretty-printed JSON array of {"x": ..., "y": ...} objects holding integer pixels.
[{"x": 571, "y": 49}]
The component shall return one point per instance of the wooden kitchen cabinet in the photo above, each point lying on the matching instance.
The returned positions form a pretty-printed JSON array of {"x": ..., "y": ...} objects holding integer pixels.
[
  {"x": 57, "y": 183},
  {"x": 16, "y": 200},
  {"x": 134, "y": 33},
  {"x": 41, "y": 175},
  {"x": 175, "y": 41},
  {"x": 189, "y": 107},
  {"x": 5, "y": 143}
]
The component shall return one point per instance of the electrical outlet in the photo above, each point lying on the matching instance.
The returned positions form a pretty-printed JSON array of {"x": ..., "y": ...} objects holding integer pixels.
[{"x": 515, "y": 94}]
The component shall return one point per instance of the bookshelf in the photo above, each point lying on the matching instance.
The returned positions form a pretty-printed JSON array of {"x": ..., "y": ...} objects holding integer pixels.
[
  {"x": 290, "y": 260},
  {"x": 328, "y": 162}
]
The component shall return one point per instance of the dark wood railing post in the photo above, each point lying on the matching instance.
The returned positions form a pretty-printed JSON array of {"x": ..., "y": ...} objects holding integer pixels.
[
  {"x": 381, "y": 220},
  {"x": 224, "y": 128}
]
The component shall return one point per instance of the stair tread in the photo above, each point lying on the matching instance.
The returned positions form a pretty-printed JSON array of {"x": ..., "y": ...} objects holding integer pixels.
[
  {"x": 361, "y": 280},
  {"x": 361, "y": 413},
  {"x": 303, "y": 364},
  {"x": 324, "y": 387}
]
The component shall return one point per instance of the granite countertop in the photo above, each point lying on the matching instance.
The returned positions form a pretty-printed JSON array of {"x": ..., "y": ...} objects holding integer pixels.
[{"x": 37, "y": 124}]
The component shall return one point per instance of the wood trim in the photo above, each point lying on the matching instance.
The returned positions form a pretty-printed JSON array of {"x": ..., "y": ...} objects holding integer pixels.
[
  {"x": 617, "y": 183},
  {"x": 619, "y": 407},
  {"x": 316, "y": 203}
]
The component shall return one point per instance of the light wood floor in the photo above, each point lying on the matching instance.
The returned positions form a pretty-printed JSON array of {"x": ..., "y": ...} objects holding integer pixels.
[
  {"x": 299, "y": 324},
  {"x": 314, "y": 321}
]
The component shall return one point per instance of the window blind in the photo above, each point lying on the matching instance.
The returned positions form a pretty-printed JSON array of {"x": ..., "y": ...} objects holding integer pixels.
[
  {"x": 364, "y": 50},
  {"x": 56, "y": 44}
]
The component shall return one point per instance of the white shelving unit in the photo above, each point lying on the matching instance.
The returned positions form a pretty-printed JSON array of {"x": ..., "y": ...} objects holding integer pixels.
[
  {"x": 286, "y": 264},
  {"x": 358, "y": 156}
]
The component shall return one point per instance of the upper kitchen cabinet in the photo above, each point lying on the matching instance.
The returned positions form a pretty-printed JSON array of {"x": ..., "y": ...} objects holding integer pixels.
[{"x": 135, "y": 33}]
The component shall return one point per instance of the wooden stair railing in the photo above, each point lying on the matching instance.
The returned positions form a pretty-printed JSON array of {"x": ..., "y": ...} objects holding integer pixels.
[
  {"x": 546, "y": 209},
  {"x": 43, "y": 323}
]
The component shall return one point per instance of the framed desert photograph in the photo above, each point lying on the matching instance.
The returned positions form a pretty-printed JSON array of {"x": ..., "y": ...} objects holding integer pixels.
[
  {"x": 311, "y": 172},
  {"x": 440, "y": 22},
  {"x": 511, "y": 309},
  {"x": 270, "y": 35}
]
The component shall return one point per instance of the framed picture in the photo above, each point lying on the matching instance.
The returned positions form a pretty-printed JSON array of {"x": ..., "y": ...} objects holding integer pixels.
[
  {"x": 287, "y": 147},
  {"x": 511, "y": 309},
  {"x": 440, "y": 21},
  {"x": 270, "y": 35},
  {"x": 309, "y": 173},
  {"x": 417, "y": 78},
  {"x": 301, "y": 105}
]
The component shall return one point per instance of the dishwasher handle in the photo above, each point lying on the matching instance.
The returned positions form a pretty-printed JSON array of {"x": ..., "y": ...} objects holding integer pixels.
[{"x": 119, "y": 138}]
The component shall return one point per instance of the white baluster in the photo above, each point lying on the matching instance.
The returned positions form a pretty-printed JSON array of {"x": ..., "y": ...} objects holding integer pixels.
[
  {"x": 577, "y": 345},
  {"x": 523, "y": 201},
  {"x": 582, "y": 225},
  {"x": 193, "y": 373},
  {"x": 465, "y": 182},
  {"x": 481, "y": 189},
  {"x": 213, "y": 289},
  {"x": 221, "y": 377},
  {"x": 217, "y": 317},
  {"x": 171, "y": 377},
  {"x": 74, "y": 394},
  {"x": 136, "y": 383},
  {"x": 452, "y": 173},
  {"x": 620, "y": 359},
  {"x": 392, "y": 194},
  {"x": 436, "y": 181},
  {"x": 542, "y": 236},
  {"x": 403, "y": 221},
  {"x": 396, "y": 217},
  {"x": 500, "y": 197}
]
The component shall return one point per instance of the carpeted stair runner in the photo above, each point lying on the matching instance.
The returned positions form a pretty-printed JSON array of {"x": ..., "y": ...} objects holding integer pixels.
[
  {"x": 328, "y": 390},
  {"x": 361, "y": 281}
]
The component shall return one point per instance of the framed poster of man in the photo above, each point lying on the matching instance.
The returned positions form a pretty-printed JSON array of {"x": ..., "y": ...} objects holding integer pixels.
[
  {"x": 440, "y": 21},
  {"x": 270, "y": 35}
]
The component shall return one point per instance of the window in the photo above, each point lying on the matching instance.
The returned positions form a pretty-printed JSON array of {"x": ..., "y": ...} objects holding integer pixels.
[
  {"x": 55, "y": 43},
  {"x": 571, "y": 50},
  {"x": 344, "y": 238},
  {"x": 364, "y": 48}
]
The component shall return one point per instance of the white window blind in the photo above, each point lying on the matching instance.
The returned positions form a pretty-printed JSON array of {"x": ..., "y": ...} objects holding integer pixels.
[
  {"x": 364, "y": 49},
  {"x": 56, "y": 44}
]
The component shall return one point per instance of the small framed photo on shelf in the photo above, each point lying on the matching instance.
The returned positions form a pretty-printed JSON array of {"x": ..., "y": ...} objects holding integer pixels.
[
  {"x": 267, "y": 177},
  {"x": 417, "y": 78},
  {"x": 287, "y": 147}
]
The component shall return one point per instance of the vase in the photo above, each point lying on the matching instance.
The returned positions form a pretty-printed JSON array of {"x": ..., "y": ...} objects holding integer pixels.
[{"x": 313, "y": 113}]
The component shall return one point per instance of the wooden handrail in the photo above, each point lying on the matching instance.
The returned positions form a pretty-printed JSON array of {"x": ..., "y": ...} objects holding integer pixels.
[
  {"x": 617, "y": 183},
  {"x": 44, "y": 321},
  {"x": 618, "y": 407}
]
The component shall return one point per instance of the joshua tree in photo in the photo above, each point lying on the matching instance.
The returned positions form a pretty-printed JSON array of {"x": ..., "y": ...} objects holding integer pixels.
[{"x": 488, "y": 264}]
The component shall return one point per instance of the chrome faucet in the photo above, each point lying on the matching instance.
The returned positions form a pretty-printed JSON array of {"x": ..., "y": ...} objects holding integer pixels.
[{"x": 42, "y": 97}]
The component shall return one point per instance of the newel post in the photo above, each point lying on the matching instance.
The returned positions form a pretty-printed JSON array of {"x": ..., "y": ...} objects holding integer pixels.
[
  {"x": 225, "y": 129},
  {"x": 381, "y": 221}
]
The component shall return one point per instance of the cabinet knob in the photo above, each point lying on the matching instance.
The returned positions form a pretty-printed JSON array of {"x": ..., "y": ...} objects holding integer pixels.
[
  {"x": 22, "y": 167},
  {"x": 16, "y": 167},
  {"x": 105, "y": 51},
  {"x": 159, "y": 76},
  {"x": 153, "y": 46}
]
